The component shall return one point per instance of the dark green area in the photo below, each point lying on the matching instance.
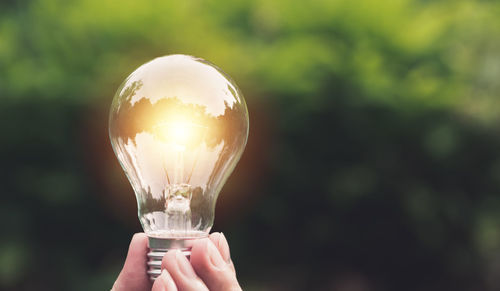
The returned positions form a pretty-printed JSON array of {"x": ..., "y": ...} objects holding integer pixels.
[{"x": 373, "y": 158}]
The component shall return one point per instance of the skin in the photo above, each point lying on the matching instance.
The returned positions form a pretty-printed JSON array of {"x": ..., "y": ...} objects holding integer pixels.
[{"x": 210, "y": 267}]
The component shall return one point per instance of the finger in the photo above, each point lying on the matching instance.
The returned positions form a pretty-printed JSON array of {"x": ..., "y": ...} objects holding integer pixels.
[
  {"x": 182, "y": 272},
  {"x": 133, "y": 275},
  {"x": 219, "y": 240},
  {"x": 164, "y": 282},
  {"x": 208, "y": 263}
]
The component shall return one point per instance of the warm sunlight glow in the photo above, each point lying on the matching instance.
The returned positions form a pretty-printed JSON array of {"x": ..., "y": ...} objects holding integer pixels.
[{"x": 180, "y": 133}]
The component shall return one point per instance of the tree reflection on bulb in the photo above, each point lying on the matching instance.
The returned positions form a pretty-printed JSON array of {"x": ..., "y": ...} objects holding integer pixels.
[{"x": 178, "y": 126}]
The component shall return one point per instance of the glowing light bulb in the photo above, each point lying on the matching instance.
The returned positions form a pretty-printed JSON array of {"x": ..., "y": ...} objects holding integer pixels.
[{"x": 178, "y": 126}]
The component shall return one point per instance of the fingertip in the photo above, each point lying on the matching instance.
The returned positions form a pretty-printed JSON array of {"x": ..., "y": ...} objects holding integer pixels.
[
  {"x": 138, "y": 241},
  {"x": 181, "y": 271},
  {"x": 214, "y": 236},
  {"x": 199, "y": 253},
  {"x": 168, "y": 260},
  {"x": 215, "y": 255},
  {"x": 139, "y": 235},
  {"x": 138, "y": 245},
  {"x": 223, "y": 247},
  {"x": 205, "y": 257},
  {"x": 211, "y": 267},
  {"x": 177, "y": 264},
  {"x": 164, "y": 282},
  {"x": 133, "y": 273}
]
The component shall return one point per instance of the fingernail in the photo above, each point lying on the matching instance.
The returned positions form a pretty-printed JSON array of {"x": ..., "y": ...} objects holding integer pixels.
[
  {"x": 214, "y": 254},
  {"x": 224, "y": 248},
  {"x": 184, "y": 265}
]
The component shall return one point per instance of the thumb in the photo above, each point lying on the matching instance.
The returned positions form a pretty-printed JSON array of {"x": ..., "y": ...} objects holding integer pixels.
[{"x": 133, "y": 276}]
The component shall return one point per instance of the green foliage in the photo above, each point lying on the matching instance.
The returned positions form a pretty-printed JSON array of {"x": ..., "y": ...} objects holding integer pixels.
[{"x": 382, "y": 137}]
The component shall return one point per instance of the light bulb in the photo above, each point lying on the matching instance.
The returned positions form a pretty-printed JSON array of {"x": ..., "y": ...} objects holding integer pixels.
[{"x": 178, "y": 126}]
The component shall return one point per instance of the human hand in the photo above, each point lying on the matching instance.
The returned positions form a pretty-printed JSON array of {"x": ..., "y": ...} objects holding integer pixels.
[
  {"x": 210, "y": 268},
  {"x": 210, "y": 263},
  {"x": 133, "y": 276}
]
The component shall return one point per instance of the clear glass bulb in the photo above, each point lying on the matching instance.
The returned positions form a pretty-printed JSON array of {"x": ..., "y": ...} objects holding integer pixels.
[{"x": 178, "y": 126}]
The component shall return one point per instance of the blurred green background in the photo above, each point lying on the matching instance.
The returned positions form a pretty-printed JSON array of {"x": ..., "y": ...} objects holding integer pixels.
[{"x": 373, "y": 160}]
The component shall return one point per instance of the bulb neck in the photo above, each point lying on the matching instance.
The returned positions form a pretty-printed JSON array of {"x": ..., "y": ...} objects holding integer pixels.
[{"x": 160, "y": 246}]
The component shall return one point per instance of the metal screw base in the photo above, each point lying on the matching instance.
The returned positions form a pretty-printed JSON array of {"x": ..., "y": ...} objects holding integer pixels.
[{"x": 159, "y": 247}]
